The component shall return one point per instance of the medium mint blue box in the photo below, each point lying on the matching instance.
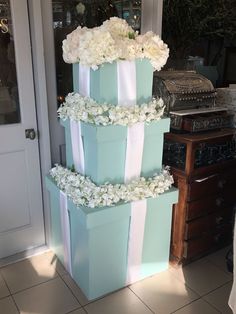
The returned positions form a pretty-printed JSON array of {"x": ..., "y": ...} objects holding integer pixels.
[
  {"x": 105, "y": 150},
  {"x": 103, "y": 83},
  {"x": 100, "y": 236}
]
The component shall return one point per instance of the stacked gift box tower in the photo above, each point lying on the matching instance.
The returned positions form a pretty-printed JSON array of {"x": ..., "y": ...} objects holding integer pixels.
[{"x": 106, "y": 247}]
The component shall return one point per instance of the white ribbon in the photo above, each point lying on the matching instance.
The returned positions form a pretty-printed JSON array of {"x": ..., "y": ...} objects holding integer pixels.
[
  {"x": 136, "y": 236},
  {"x": 75, "y": 127},
  {"x": 77, "y": 146},
  {"x": 65, "y": 227},
  {"x": 134, "y": 151},
  {"x": 126, "y": 83},
  {"x": 84, "y": 80}
]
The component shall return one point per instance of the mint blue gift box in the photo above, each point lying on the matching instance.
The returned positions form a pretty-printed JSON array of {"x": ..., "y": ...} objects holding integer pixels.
[
  {"x": 99, "y": 241},
  {"x": 103, "y": 82},
  {"x": 105, "y": 150}
]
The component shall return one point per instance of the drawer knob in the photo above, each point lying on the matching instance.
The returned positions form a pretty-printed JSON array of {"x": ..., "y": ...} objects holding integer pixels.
[
  {"x": 219, "y": 201},
  {"x": 221, "y": 183},
  {"x": 219, "y": 220},
  {"x": 217, "y": 238}
]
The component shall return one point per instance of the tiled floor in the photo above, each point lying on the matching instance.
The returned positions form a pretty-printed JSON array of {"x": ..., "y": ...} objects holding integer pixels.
[{"x": 40, "y": 285}]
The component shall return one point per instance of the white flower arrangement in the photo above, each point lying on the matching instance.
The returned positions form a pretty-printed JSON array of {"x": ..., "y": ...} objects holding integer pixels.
[
  {"x": 79, "y": 108},
  {"x": 83, "y": 192},
  {"x": 113, "y": 40}
]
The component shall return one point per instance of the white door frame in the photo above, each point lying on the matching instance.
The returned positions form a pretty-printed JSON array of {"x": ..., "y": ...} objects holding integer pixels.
[
  {"x": 42, "y": 101},
  {"x": 41, "y": 21}
]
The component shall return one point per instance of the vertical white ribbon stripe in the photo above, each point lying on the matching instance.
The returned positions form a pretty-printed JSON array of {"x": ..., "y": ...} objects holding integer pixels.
[
  {"x": 77, "y": 146},
  {"x": 134, "y": 151},
  {"x": 65, "y": 227},
  {"x": 126, "y": 78},
  {"x": 126, "y": 81},
  {"x": 136, "y": 236},
  {"x": 84, "y": 80}
]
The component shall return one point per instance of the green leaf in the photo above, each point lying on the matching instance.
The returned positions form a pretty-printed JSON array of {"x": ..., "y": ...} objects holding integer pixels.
[{"x": 131, "y": 35}]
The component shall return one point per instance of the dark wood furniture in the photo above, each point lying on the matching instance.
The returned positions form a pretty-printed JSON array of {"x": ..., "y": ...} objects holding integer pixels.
[{"x": 204, "y": 170}]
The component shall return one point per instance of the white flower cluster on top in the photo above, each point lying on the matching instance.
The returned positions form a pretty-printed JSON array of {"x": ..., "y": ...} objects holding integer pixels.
[
  {"x": 113, "y": 40},
  {"x": 79, "y": 108},
  {"x": 83, "y": 192}
]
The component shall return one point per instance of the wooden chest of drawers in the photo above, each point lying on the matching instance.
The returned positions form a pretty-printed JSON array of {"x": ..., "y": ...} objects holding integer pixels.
[{"x": 202, "y": 218}]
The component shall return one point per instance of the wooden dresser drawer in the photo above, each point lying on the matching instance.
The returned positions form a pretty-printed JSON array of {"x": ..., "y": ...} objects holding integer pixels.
[
  {"x": 200, "y": 246},
  {"x": 203, "y": 206},
  {"x": 204, "y": 186},
  {"x": 208, "y": 204},
  {"x": 208, "y": 224},
  {"x": 211, "y": 184}
]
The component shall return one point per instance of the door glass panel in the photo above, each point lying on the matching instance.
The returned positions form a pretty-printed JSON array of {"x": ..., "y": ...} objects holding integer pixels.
[
  {"x": 69, "y": 14},
  {"x": 9, "y": 100}
]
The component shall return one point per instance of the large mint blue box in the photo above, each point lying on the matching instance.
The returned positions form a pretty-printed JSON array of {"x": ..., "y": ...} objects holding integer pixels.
[
  {"x": 100, "y": 236},
  {"x": 105, "y": 150},
  {"x": 103, "y": 82}
]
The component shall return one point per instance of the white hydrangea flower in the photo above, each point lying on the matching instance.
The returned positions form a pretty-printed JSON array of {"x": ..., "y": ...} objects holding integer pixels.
[
  {"x": 117, "y": 27},
  {"x": 79, "y": 108},
  {"x": 113, "y": 40},
  {"x": 82, "y": 191}
]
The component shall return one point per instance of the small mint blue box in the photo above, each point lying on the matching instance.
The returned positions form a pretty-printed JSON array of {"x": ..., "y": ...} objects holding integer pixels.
[
  {"x": 103, "y": 82},
  {"x": 105, "y": 150}
]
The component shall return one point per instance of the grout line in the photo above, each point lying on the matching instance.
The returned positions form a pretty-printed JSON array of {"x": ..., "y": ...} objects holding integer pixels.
[
  {"x": 182, "y": 307},
  {"x": 212, "y": 305},
  {"x": 15, "y": 303},
  {"x": 140, "y": 299},
  {"x": 39, "y": 284},
  {"x": 4, "y": 297},
  {"x": 202, "y": 295},
  {"x": 92, "y": 301},
  {"x": 186, "y": 285},
  {"x": 78, "y": 308},
  {"x": 224, "y": 284},
  {"x": 4, "y": 280},
  {"x": 85, "y": 310},
  {"x": 72, "y": 292}
]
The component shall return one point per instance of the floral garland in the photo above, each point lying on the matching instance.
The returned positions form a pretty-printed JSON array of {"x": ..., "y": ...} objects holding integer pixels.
[
  {"x": 113, "y": 40},
  {"x": 79, "y": 108},
  {"x": 82, "y": 191}
]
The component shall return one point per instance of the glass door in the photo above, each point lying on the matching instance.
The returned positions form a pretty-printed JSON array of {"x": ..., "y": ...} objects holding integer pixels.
[{"x": 9, "y": 98}]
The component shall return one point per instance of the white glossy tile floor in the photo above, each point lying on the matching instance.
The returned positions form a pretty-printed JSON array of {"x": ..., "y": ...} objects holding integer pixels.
[{"x": 40, "y": 285}]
